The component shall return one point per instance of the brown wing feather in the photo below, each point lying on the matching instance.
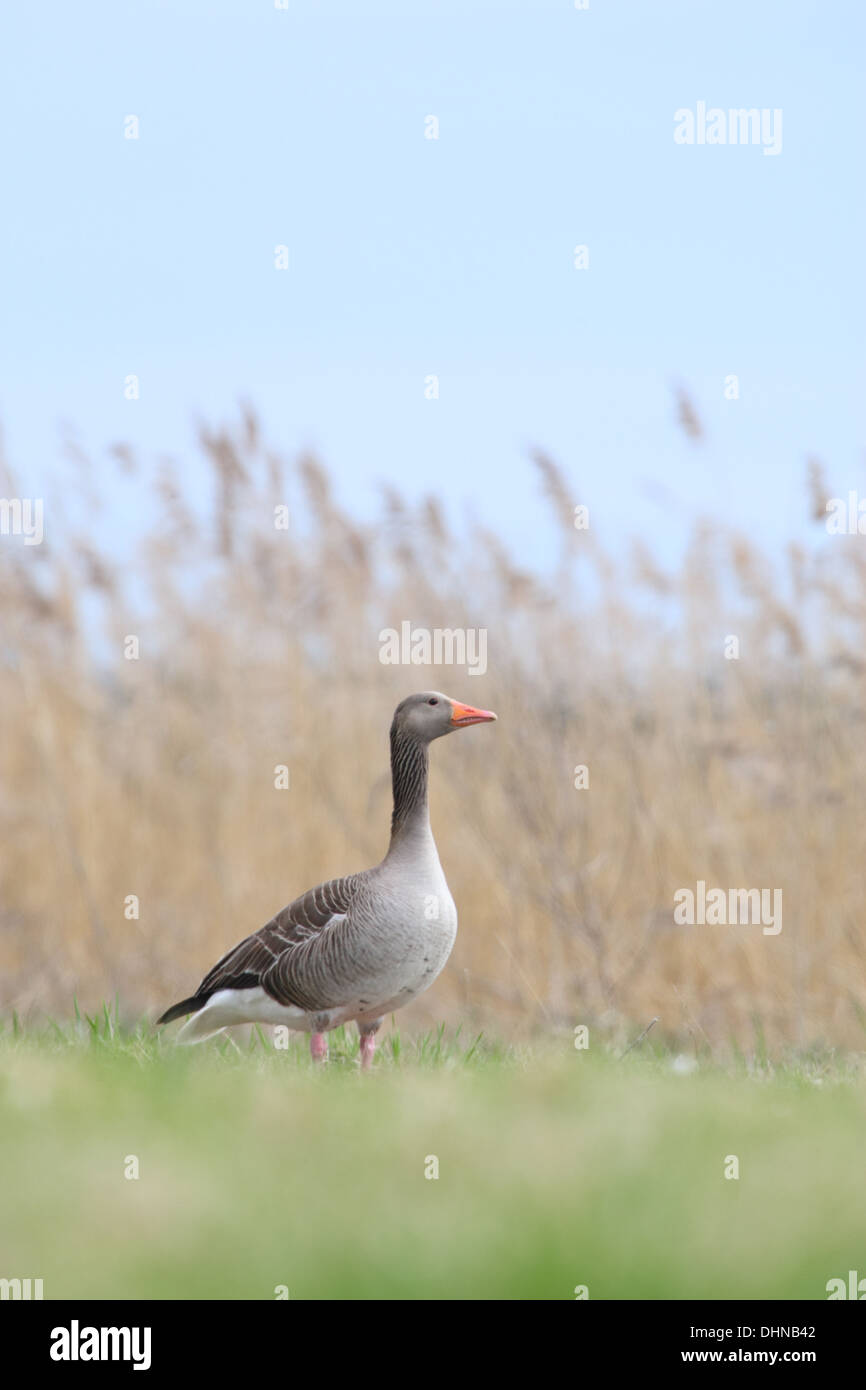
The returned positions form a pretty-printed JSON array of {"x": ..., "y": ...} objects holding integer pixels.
[{"x": 304, "y": 918}]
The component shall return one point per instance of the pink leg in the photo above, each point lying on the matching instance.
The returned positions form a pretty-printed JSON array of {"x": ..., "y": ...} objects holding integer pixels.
[
  {"x": 319, "y": 1047},
  {"x": 368, "y": 1047}
]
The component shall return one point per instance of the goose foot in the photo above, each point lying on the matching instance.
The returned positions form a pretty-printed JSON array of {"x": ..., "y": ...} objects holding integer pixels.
[
  {"x": 319, "y": 1047},
  {"x": 368, "y": 1043}
]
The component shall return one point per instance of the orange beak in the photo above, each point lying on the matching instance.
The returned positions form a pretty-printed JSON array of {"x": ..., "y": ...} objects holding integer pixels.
[{"x": 463, "y": 715}]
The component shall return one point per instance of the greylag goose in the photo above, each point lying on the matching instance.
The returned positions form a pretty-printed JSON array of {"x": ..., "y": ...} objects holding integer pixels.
[{"x": 354, "y": 948}]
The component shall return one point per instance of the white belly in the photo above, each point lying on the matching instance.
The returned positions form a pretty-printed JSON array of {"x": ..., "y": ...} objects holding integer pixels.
[{"x": 402, "y": 956}]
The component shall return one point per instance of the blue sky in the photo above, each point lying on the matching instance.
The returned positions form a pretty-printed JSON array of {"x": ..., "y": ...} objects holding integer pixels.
[{"x": 409, "y": 256}]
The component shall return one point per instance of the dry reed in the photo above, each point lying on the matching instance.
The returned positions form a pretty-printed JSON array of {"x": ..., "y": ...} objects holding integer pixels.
[{"x": 259, "y": 646}]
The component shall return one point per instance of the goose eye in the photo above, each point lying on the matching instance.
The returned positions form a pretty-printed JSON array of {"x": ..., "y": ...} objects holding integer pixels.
[{"x": 432, "y": 702}]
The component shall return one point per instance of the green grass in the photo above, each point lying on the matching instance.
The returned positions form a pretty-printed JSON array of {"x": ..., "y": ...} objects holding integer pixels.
[{"x": 556, "y": 1168}]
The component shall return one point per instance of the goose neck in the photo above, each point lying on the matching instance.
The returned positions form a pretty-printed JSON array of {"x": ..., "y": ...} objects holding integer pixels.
[{"x": 409, "y": 768}]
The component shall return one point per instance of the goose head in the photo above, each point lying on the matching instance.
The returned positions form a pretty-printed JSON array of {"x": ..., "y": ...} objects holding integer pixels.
[{"x": 430, "y": 714}]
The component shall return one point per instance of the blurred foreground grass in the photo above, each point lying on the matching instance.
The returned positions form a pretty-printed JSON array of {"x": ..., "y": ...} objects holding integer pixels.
[{"x": 556, "y": 1168}]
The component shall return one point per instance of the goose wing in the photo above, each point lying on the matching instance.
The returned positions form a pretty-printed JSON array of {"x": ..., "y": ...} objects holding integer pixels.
[{"x": 263, "y": 958}]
